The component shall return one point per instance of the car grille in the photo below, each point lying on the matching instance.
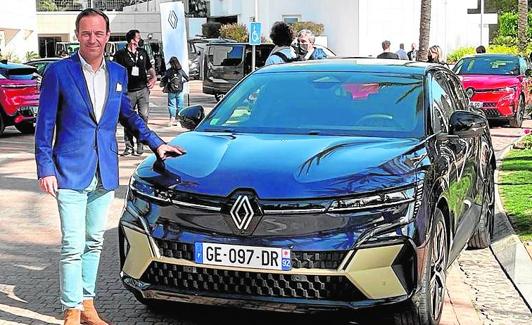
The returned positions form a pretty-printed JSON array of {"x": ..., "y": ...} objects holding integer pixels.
[
  {"x": 206, "y": 280},
  {"x": 300, "y": 260},
  {"x": 491, "y": 113}
]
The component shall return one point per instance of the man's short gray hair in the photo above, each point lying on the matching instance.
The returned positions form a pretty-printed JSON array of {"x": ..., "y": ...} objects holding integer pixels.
[{"x": 306, "y": 32}]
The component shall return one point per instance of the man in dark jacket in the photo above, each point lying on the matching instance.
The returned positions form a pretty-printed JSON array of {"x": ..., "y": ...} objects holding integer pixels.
[{"x": 386, "y": 54}]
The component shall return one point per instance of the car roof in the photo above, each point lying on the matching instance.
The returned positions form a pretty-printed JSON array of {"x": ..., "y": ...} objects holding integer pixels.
[
  {"x": 354, "y": 65},
  {"x": 44, "y": 60},
  {"x": 492, "y": 55},
  {"x": 11, "y": 65}
]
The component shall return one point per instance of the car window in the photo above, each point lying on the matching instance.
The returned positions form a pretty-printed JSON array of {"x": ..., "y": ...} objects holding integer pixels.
[
  {"x": 441, "y": 104},
  {"x": 495, "y": 65},
  {"x": 226, "y": 55},
  {"x": 522, "y": 65},
  {"x": 25, "y": 73},
  {"x": 455, "y": 91},
  {"x": 323, "y": 103}
]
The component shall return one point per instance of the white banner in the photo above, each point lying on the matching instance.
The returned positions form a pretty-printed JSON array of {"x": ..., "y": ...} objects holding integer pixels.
[{"x": 174, "y": 34}]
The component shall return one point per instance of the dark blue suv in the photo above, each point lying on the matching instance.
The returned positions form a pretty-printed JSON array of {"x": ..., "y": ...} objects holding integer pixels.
[{"x": 338, "y": 184}]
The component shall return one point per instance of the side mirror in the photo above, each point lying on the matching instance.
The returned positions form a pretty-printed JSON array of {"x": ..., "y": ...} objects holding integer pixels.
[
  {"x": 467, "y": 124},
  {"x": 191, "y": 116},
  {"x": 528, "y": 72}
]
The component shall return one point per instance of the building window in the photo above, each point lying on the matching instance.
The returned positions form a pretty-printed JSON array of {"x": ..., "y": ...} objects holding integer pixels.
[{"x": 291, "y": 19}]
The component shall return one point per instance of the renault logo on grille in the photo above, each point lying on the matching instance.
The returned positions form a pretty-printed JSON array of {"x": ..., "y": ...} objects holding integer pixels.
[{"x": 242, "y": 212}]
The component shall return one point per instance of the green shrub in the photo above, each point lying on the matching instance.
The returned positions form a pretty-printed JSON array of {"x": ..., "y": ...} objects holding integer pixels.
[
  {"x": 505, "y": 40},
  {"x": 315, "y": 28},
  {"x": 236, "y": 32},
  {"x": 459, "y": 53},
  {"x": 211, "y": 29},
  {"x": 508, "y": 24}
]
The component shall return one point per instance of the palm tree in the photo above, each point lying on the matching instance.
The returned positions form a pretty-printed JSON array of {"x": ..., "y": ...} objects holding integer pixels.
[
  {"x": 424, "y": 30},
  {"x": 522, "y": 24}
]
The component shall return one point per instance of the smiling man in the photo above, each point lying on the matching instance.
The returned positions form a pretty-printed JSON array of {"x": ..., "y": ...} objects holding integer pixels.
[{"x": 83, "y": 97}]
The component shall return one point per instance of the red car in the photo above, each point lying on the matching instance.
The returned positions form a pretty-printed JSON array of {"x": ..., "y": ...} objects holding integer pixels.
[
  {"x": 498, "y": 84},
  {"x": 19, "y": 97}
]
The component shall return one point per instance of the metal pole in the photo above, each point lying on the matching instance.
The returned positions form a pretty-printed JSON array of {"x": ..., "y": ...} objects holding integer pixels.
[
  {"x": 481, "y": 20},
  {"x": 253, "y": 47}
]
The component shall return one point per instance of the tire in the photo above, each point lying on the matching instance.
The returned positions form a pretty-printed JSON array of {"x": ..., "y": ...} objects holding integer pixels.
[
  {"x": 481, "y": 238},
  {"x": 517, "y": 120},
  {"x": 25, "y": 127},
  {"x": 2, "y": 124},
  {"x": 426, "y": 305}
]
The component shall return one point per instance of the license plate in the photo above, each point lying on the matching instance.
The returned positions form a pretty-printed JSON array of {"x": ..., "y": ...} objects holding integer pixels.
[
  {"x": 476, "y": 104},
  {"x": 243, "y": 256}
]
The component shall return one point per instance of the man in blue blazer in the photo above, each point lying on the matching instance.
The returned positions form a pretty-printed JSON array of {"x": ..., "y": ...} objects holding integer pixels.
[{"x": 83, "y": 97}]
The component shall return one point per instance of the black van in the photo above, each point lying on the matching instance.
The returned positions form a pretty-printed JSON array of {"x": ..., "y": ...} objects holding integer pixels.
[{"x": 225, "y": 63}]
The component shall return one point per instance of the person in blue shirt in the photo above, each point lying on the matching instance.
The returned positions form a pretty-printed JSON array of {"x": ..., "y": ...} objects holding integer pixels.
[
  {"x": 305, "y": 46},
  {"x": 282, "y": 36}
]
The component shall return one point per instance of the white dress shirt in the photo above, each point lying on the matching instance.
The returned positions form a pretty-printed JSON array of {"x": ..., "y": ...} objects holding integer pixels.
[{"x": 96, "y": 84}]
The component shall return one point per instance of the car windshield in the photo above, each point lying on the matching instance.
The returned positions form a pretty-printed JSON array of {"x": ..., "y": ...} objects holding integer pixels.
[
  {"x": 327, "y": 103},
  {"x": 488, "y": 65}
]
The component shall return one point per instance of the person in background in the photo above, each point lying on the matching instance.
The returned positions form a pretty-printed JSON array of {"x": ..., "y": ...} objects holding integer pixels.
[
  {"x": 305, "y": 48},
  {"x": 436, "y": 55},
  {"x": 480, "y": 49},
  {"x": 282, "y": 36},
  {"x": 141, "y": 78},
  {"x": 401, "y": 52},
  {"x": 387, "y": 54},
  {"x": 412, "y": 54},
  {"x": 172, "y": 83}
]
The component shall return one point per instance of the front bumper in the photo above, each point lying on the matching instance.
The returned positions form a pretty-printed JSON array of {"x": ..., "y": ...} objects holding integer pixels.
[
  {"x": 363, "y": 277},
  {"x": 496, "y": 105}
]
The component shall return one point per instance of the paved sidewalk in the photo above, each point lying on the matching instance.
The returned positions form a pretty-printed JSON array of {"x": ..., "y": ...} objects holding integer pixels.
[{"x": 29, "y": 252}]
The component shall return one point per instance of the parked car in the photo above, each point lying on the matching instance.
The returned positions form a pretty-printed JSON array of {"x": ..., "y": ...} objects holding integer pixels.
[
  {"x": 19, "y": 97},
  {"x": 225, "y": 63},
  {"x": 331, "y": 184},
  {"x": 41, "y": 65},
  {"x": 499, "y": 84}
]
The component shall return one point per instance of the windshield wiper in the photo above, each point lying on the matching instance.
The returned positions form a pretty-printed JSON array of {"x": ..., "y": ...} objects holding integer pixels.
[{"x": 229, "y": 130}]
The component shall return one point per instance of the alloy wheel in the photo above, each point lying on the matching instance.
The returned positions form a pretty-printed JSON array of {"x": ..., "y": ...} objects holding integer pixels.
[{"x": 437, "y": 270}]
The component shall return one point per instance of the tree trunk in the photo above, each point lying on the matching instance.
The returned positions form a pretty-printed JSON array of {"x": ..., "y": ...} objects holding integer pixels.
[
  {"x": 424, "y": 30},
  {"x": 522, "y": 25}
]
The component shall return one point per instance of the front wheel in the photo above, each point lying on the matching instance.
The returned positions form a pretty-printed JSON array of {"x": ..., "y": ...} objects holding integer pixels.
[
  {"x": 25, "y": 127},
  {"x": 481, "y": 238},
  {"x": 517, "y": 120},
  {"x": 426, "y": 305}
]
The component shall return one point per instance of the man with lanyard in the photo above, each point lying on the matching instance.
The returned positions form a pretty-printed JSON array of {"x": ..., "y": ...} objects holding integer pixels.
[{"x": 135, "y": 59}]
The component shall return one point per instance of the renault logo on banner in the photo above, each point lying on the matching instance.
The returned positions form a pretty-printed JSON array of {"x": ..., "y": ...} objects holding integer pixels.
[
  {"x": 242, "y": 212},
  {"x": 172, "y": 19}
]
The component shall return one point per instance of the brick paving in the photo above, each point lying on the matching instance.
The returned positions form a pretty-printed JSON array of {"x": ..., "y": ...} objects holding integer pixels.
[{"x": 29, "y": 252}]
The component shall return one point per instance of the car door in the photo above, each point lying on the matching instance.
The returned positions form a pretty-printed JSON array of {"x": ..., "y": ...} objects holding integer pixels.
[{"x": 455, "y": 154}]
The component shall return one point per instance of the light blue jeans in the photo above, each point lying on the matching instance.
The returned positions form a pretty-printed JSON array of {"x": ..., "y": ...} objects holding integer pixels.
[
  {"x": 83, "y": 219},
  {"x": 175, "y": 103}
]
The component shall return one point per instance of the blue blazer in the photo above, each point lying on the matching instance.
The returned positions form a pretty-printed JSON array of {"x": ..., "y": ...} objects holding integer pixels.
[{"x": 83, "y": 146}]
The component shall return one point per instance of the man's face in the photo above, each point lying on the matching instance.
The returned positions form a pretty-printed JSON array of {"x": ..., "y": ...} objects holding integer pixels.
[
  {"x": 135, "y": 40},
  {"x": 92, "y": 36},
  {"x": 304, "y": 42},
  {"x": 414, "y": 46}
]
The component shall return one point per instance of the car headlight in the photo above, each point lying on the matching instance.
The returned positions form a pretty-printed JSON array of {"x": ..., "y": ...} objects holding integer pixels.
[
  {"x": 378, "y": 200},
  {"x": 147, "y": 190}
]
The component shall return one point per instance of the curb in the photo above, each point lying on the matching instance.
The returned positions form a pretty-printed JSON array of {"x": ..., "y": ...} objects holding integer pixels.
[{"x": 509, "y": 251}]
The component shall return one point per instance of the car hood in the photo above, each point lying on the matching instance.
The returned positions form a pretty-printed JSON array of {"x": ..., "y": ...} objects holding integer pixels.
[
  {"x": 489, "y": 81},
  {"x": 282, "y": 167}
]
